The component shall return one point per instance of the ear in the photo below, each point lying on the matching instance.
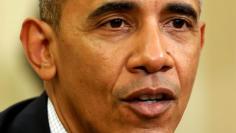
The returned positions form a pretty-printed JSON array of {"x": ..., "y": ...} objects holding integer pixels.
[
  {"x": 202, "y": 33},
  {"x": 37, "y": 38}
]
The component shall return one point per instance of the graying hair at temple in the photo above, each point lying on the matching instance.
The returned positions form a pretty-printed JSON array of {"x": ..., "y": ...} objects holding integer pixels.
[{"x": 50, "y": 11}]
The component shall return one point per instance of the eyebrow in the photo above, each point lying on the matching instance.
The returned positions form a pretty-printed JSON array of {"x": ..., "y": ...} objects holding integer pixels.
[
  {"x": 181, "y": 8},
  {"x": 112, "y": 7}
]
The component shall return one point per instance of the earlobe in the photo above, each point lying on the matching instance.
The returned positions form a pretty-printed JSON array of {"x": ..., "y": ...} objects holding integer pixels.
[{"x": 37, "y": 38}]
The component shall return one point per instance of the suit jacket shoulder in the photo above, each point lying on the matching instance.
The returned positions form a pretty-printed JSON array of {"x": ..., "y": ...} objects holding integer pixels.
[{"x": 29, "y": 116}]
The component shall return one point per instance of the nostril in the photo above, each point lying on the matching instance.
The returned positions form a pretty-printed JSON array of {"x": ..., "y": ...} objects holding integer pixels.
[
  {"x": 141, "y": 68},
  {"x": 165, "y": 68},
  {"x": 143, "y": 63},
  {"x": 147, "y": 70}
]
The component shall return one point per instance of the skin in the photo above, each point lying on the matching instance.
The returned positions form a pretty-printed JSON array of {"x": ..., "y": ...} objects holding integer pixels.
[{"x": 88, "y": 64}]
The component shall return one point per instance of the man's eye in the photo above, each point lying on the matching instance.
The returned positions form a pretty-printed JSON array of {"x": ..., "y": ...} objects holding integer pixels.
[
  {"x": 179, "y": 24},
  {"x": 115, "y": 23}
]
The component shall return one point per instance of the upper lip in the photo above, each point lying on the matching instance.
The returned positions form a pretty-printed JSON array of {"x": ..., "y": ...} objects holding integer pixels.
[{"x": 166, "y": 94}]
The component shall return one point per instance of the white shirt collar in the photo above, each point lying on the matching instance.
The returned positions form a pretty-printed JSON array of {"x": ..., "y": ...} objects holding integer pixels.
[{"x": 55, "y": 124}]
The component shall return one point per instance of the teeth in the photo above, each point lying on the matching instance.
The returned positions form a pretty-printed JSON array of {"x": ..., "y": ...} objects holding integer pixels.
[
  {"x": 144, "y": 98},
  {"x": 151, "y": 98}
]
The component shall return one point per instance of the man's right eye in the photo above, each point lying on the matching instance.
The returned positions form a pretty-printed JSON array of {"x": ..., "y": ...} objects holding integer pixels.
[{"x": 116, "y": 24}]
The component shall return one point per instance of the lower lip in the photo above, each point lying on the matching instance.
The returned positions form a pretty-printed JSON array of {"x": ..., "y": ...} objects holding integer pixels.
[{"x": 150, "y": 109}]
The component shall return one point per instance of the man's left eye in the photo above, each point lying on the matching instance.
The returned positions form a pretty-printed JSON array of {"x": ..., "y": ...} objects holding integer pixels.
[{"x": 179, "y": 24}]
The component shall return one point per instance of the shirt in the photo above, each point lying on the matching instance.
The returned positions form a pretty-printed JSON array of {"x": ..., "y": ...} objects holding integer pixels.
[{"x": 55, "y": 124}]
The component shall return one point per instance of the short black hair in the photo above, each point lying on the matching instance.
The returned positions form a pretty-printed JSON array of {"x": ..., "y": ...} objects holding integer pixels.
[{"x": 50, "y": 11}]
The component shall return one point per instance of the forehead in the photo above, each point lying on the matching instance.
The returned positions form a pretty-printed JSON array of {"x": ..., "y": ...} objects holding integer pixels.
[
  {"x": 93, "y": 4},
  {"x": 82, "y": 9}
]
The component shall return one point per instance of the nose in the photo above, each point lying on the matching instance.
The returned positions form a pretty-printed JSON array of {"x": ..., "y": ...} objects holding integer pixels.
[{"x": 150, "y": 54}]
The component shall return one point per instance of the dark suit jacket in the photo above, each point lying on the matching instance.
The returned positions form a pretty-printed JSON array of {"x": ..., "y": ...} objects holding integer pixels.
[{"x": 26, "y": 117}]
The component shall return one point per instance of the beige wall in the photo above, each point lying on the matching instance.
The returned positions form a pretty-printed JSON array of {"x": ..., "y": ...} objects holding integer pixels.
[
  {"x": 212, "y": 108},
  {"x": 16, "y": 80},
  {"x": 221, "y": 58}
]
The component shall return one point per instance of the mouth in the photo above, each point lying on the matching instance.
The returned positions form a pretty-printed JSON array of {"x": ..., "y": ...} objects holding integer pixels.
[{"x": 150, "y": 103}]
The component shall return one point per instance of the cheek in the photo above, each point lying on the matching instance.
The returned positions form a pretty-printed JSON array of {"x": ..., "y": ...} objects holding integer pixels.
[
  {"x": 88, "y": 72},
  {"x": 186, "y": 58},
  {"x": 189, "y": 63},
  {"x": 187, "y": 72},
  {"x": 88, "y": 66}
]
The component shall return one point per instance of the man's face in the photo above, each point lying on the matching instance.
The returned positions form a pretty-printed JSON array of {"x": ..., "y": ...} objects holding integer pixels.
[{"x": 126, "y": 66}]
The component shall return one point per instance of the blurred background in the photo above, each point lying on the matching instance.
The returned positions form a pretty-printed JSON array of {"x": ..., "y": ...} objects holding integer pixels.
[{"x": 212, "y": 107}]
